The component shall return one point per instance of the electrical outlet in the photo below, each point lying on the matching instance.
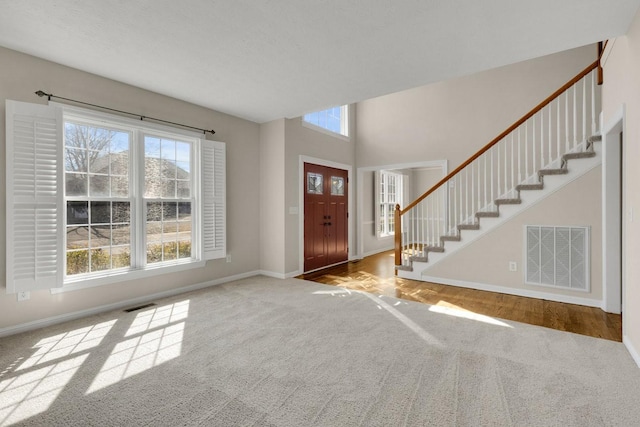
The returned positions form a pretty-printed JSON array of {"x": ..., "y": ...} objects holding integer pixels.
[
  {"x": 513, "y": 266},
  {"x": 229, "y": 258},
  {"x": 23, "y": 296}
]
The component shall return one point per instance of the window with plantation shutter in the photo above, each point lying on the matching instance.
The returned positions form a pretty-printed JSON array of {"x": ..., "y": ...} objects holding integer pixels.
[
  {"x": 94, "y": 198},
  {"x": 34, "y": 197}
]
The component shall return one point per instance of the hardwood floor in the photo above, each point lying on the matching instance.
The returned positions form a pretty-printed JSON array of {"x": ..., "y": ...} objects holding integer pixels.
[{"x": 376, "y": 274}]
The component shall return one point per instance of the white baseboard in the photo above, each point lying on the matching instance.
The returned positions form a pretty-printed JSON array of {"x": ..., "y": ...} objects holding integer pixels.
[
  {"x": 632, "y": 350},
  {"x": 279, "y": 275},
  {"x": 41, "y": 323},
  {"x": 567, "y": 299}
]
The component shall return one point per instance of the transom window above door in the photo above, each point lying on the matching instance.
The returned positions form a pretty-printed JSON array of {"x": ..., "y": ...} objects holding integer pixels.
[{"x": 334, "y": 120}]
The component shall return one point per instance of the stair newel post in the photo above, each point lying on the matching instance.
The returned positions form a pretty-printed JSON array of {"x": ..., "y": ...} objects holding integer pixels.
[
  {"x": 513, "y": 175},
  {"x": 398, "y": 236},
  {"x": 506, "y": 165}
]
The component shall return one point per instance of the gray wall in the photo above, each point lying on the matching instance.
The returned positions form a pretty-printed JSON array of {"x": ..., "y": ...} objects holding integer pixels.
[
  {"x": 453, "y": 119},
  {"x": 22, "y": 75}
]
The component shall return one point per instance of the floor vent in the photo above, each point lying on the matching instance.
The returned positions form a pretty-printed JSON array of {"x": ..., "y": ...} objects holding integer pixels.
[
  {"x": 140, "y": 307},
  {"x": 558, "y": 257}
]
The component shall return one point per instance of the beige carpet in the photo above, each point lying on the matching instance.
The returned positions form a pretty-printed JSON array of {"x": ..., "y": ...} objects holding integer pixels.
[{"x": 269, "y": 352}]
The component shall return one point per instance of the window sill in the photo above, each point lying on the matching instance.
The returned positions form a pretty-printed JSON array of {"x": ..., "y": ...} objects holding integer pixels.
[{"x": 124, "y": 276}]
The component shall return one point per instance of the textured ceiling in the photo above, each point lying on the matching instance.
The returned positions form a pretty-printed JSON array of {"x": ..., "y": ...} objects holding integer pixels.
[{"x": 264, "y": 60}]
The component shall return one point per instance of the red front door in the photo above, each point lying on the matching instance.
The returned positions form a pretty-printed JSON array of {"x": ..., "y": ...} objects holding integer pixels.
[{"x": 326, "y": 236}]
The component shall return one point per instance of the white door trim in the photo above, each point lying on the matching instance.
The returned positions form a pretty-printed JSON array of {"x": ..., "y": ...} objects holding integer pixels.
[{"x": 612, "y": 214}]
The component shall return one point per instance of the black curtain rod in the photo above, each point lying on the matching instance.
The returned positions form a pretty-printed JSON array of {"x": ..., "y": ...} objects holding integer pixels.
[{"x": 41, "y": 93}]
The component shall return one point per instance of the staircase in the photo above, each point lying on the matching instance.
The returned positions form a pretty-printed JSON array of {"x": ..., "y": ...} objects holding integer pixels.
[{"x": 550, "y": 146}]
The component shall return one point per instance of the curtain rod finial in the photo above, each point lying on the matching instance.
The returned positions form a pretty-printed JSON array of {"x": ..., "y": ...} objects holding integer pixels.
[{"x": 40, "y": 93}]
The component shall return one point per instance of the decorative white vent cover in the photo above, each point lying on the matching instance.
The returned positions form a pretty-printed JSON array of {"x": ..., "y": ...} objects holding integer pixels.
[{"x": 557, "y": 256}]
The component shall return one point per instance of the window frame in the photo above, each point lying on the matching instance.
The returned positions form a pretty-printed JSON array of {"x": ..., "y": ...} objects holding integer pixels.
[
  {"x": 208, "y": 178},
  {"x": 345, "y": 121},
  {"x": 382, "y": 192}
]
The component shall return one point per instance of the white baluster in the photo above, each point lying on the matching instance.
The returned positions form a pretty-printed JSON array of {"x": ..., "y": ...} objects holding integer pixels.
[
  {"x": 506, "y": 166},
  {"x": 478, "y": 182},
  {"x": 584, "y": 109},
  {"x": 461, "y": 207},
  {"x": 593, "y": 103},
  {"x": 499, "y": 172},
  {"x": 434, "y": 207},
  {"x": 513, "y": 169},
  {"x": 485, "y": 197},
  {"x": 513, "y": 175},
  {"x": 466, "y": 198},
  {"x": 541, "y": 140},
  {"x": 519, "y": 157},
  {"x": 526, "y": 150},
  {"x": 550, "y": 137},
  {"x": 566, "y": 121},
  {"x": 533, "y": 143},
  {"x": 558, "y": 106},
  {"x": 422, "y": 228},
  {"x": 473, "y": 187},
  {"x": 436, "y": 241},
  {"x": 575, "y": 116},
  {"x": 492, "y": 151},
  {"x": 454, "y": 205}
]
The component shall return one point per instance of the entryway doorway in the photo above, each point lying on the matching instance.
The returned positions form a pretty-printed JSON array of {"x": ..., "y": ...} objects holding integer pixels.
[{"x": 326, "y": 213}]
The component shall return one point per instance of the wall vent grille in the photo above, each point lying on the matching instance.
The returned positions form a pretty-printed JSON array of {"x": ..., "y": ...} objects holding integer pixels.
[{"x": 558, "y": 256}]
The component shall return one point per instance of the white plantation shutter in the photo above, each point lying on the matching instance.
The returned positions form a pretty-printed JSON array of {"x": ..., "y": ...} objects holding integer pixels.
[
  {"x": 213, "y": 199},
  {"x": 34, "y": 167}
]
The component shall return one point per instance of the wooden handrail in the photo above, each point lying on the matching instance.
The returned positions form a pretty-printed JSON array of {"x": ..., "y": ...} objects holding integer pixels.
[{"x": 510, "y": 129}]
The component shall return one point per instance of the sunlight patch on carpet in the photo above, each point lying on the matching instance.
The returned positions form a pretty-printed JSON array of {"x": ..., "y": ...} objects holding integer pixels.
[
  {"x": 67, "y": 343},
  {"x": 32, "y": 392},
  {"x": 145, "y": 350},
  {"x": 160, "y": 316}
]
